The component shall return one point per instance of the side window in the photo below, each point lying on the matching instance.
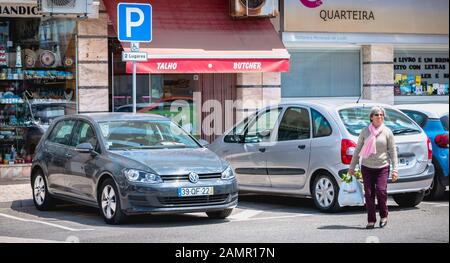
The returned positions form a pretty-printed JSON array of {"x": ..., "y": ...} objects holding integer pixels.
[
  {"x": 238, "y": 130},
  {"x": 418, "y": 117},
  {"x": 262, "y": 127},
  {"x": 85, "y": 134},
  {"x": 321, "y": 127},
  {"x": 62, "y": 132},
  {"x": 295, "y": 125}
]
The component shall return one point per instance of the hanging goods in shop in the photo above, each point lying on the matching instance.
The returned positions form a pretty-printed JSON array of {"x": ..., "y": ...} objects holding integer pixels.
[
  {"x": 18, "y": 57},
  {"x": 30, "y": 58},
  {"x": 47, "y": 58}
]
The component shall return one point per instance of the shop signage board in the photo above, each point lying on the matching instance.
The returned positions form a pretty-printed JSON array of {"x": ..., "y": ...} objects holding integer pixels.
[{"x": 367, "y": 16}]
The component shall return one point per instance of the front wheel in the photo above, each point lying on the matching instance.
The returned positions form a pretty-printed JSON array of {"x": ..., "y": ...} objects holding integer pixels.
[
  {"x": 220, "y": 214},
  {"x": 409, "y": 199},
  {"x": 42, "y": 199},
  {"x": 325, "y": 193},
  {"x": 109, "y": 203}
]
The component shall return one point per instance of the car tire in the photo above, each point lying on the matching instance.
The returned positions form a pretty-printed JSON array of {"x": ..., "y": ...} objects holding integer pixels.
[
  {"x": 43, "y": 200},
  {"x": 109, "y": 203},
  {"x": 325, "y": 191},
  {"x": 220, "y": 214},
  {"x": 409, "y": 199},
  {"x": 437, "y": 189}
]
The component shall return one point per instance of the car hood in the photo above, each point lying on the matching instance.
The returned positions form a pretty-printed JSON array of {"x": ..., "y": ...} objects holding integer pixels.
[{"x": 177, "y": 161}]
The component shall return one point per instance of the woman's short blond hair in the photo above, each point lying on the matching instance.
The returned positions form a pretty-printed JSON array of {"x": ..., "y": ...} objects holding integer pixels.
[{"x": 375, "y": 110}]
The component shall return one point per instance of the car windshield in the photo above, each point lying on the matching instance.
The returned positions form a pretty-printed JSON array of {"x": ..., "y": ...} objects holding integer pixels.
[
  {"x": 136, "y": 135},
  {"x": 357, "y": 118},
  {"x": 444, "y": 121}
]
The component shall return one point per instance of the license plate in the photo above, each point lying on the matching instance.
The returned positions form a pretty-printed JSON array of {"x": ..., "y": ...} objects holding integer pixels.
[{"x": 195, "y": 191}]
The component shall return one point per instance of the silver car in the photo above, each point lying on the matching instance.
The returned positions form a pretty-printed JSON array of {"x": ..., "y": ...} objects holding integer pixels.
[
  {"x": 129, "y": 164},
  {"x": 304, "y": 149}
]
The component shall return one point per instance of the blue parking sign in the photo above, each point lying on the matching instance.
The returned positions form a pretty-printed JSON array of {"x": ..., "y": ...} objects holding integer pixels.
[{"x": 135, "y": 22}]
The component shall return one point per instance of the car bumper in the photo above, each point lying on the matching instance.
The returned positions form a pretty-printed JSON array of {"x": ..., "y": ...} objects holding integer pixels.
[
  {"x": 416, "y": 183},
  {"x": 163, "y": 198}
]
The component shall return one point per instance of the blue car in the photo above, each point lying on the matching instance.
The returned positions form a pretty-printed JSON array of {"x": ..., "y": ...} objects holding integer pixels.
[{"x": 433, "y": 118}]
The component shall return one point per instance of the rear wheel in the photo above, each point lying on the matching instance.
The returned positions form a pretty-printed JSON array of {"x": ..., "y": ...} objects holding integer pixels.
[
  {"x": 41, "y": 197},
  {"x": 325, "y": 193},
  {"x": 437, "y": 189},
  {"x": 109, "y": 202},
  {"x": 220, "y": 214},
  {"x": 409, "y": 199}
]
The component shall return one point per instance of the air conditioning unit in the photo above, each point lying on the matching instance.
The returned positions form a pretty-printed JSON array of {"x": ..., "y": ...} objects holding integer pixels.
[
  {"x": 254, "y": 8},
  {"x": 66, "y": 7}
]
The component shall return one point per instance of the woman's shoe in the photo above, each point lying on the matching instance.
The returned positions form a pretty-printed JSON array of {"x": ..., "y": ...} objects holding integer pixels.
[
  {"x": 383, "y": 222},
  {"x": 370, "y": 226}
]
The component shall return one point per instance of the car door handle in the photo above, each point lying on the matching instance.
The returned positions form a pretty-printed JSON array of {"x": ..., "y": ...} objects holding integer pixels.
[
  {"x": 302, "y": 147},
  {"x": 263, "y": 150}
]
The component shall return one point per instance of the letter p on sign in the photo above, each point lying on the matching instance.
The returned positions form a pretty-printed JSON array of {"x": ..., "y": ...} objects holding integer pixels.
[{"x": 134, "y": 22}]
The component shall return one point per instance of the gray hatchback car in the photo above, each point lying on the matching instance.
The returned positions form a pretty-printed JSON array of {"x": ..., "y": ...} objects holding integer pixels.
[{"x": 129, "y": 164}]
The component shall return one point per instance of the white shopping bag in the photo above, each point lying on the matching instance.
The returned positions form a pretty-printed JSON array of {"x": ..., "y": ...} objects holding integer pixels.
[{"x": 351, "y": 194}]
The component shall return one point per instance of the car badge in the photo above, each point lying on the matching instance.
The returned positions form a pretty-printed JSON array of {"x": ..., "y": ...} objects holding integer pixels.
[{"x": 193, "y": 177}]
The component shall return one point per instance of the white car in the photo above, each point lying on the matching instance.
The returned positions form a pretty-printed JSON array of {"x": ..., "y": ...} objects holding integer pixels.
[{"x": 303, "y": 148}]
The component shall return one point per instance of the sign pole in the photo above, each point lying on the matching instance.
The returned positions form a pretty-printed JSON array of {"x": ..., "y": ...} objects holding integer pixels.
[{"x": 134, "y": 87}]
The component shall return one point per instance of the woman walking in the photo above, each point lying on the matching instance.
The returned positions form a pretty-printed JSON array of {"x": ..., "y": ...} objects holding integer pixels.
[{"x": 376, "y": 147}]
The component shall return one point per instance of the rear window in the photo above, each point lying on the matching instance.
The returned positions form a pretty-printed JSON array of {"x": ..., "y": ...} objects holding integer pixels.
[
  {"x": 356, "y": 119},
  {"x": 418, "y": 117},
  {"x": 444, "y": 121}
]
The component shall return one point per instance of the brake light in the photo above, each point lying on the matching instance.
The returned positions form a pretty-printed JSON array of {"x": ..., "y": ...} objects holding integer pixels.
[
  {"x": 442, "y": 140},
  {"x": 430, "y": 149},
  {"x": 347, "y": 150}
]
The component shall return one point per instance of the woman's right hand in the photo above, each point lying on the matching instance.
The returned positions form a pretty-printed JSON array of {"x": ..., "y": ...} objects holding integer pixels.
[{"x": 351, "y": 172}]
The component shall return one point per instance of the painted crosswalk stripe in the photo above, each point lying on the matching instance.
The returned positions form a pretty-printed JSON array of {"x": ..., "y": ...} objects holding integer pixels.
[{"x": 43, "y": 223}]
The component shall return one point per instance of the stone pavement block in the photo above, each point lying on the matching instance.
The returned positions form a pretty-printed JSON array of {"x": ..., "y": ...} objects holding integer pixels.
[{"x": 15, "y": 195}]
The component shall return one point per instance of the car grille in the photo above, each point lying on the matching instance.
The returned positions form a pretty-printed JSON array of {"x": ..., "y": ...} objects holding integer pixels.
[
  {"x": 193, "y": 200},
  {"x": 186, "y": 177}
]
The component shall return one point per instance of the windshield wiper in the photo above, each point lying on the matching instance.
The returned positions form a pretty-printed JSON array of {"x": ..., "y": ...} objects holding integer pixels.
[{"x": 403, "y": 131}]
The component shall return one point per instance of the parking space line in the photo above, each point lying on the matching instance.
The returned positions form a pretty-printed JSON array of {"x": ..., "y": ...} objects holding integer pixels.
[
  {"x": 246, "y": 214},
  {"x": 44, "y": 223},
  {"x": 270, "y": 218},
  {"x": 26, "y": 240}
]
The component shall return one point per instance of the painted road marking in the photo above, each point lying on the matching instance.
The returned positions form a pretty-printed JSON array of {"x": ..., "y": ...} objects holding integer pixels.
[
  {"x": 270, "y": 217},
  {"x": 245, "y": 214},
  {"x": 44, "y": 223},
  {"x": 26, "y": 240}
]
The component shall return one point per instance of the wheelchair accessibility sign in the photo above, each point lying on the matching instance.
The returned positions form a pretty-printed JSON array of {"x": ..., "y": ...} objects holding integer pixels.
[{"x": 134, "y": 22}]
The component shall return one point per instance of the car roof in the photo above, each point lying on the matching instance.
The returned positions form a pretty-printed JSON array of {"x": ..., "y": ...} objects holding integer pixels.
[
  {"x": 103, "y": 117},
  {"x": 335, "y": 104},
  {"x": 434, "y": 111}
]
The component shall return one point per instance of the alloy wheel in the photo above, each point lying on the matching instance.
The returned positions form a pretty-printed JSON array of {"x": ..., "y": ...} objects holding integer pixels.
[
  {"x": 109, "y": 202},
  {"x": 39, "y": 190}
]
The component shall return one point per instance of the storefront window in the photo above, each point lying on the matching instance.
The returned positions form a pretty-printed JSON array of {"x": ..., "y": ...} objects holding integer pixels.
[
  {"x": 37, "y": 81},
  {"x": 324, "y": 73},
  {"x": 169, "y": 95},
  {"x": 421, "y": 73}
]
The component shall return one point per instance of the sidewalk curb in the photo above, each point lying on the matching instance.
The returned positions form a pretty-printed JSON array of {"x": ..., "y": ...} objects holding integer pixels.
[{"x": 17, "y": 204}]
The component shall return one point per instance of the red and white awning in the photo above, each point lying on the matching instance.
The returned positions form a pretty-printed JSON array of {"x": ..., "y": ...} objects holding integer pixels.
[{"x": 199, "y": 36}]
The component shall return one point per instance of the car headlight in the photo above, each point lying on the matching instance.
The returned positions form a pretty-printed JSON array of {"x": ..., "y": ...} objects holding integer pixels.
[
  {"x": 137, "y": 176},
  {"x": 228, "y": 174}
]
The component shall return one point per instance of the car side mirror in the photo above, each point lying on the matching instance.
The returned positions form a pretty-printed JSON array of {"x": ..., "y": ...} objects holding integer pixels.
[
  {"x": 203, "y": 143},
  {"x": 85, "y": 148},
  {"x": 265, "y": 133}
]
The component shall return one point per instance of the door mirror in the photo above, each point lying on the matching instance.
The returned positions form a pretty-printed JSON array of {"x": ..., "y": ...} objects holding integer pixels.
[
  {"x": 203, "y": 143},
  {"x": 84, "y": 148},
  {"x": 265, "y": 133}
]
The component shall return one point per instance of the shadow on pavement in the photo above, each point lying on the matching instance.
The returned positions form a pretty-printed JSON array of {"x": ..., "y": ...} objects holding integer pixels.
[
  {"x": 341, "y": 227},
  {"x": 91, "y": 217}
]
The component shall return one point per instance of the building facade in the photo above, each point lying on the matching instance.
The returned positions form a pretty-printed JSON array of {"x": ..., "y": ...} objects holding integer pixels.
[{"x": 388, "y": 51}]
